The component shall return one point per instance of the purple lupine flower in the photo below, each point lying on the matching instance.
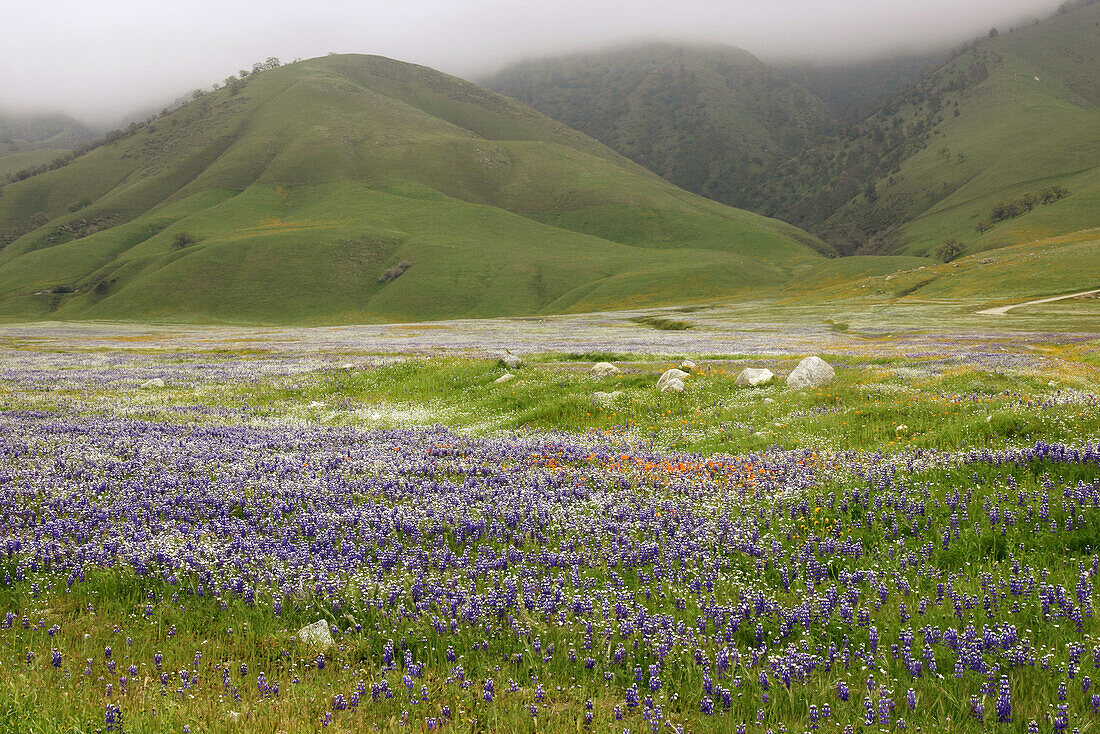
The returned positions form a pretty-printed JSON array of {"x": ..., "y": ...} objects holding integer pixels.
[
  {"x": 1004, "y": 702},
  {"x": 1061, "y": 717},
  {"x": 977, "y": 708},
  {"x": 113, "y": 717}
]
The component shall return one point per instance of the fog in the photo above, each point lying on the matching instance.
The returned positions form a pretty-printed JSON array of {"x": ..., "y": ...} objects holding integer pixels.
[{"x": 101, "y": 61}]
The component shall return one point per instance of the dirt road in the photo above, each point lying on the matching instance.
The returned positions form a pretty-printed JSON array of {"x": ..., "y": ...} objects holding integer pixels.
[{"x": 1003, "y": 310}]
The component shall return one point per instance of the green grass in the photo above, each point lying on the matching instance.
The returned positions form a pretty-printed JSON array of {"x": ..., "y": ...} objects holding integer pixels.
[
  {"x": 662, "y": 323},
  {"x": 870, "y": 406}
]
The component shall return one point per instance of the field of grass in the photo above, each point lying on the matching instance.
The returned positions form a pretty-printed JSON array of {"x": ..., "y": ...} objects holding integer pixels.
[{"x": 909, "y": 547}]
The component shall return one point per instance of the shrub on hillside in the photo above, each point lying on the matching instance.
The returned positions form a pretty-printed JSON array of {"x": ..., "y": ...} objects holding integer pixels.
[
  {"x": 395, "y": 271},
  {"x": 181, "y": 240}
]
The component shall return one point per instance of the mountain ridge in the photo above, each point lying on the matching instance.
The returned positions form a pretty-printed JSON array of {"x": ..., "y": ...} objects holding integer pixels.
[{"x": 709, "y": 118}]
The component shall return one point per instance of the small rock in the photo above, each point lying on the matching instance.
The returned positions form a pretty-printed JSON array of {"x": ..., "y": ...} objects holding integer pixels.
[
  {"x": 150, "y": 384},
  {"x": 317, "y": 633},
  {"x": 769, "y": 400},
  {"x": 687, "y": 365},
  {"x": 603, "y": 369},
  {"x": 505, "y": 378},
  {"x": 347, "y": 366},
  {"x": 672, "y": 374},
  {"x": 752, "y": 377},
  {"x": 511, "y": 361},
  {"x": 811, "y": 372},
  {"x": 673, "y": 385}
]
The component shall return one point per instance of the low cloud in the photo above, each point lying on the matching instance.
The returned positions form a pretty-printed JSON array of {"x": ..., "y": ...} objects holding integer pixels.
[{"x": 99, "y": 61}]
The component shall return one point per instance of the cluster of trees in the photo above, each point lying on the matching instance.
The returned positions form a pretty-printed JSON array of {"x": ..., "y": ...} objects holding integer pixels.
[{"x": 1012, "y": 208}]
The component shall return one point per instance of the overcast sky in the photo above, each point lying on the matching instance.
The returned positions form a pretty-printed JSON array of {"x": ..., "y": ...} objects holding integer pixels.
[{"x": 101, "y": 59}]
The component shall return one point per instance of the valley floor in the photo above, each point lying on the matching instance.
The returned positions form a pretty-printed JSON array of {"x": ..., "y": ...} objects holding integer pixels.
[{"x": 910, "y": 547}]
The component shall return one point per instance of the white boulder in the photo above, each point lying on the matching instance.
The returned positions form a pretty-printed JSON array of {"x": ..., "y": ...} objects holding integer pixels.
[
  {"x": 511, "y": 361},
  {"x": 687, "y": 365},
  {"x": 505, "y": 378},
  {"x": 811, "y": 372},
  {"x": 317, "y": 634},
  {"x": 673, "y": 385},
  {"x": 604, "y": 369},
  {"x": 153, "y": 383},
  {"x": 672, "y": 374},
  {"x": 753, "y": 377}
]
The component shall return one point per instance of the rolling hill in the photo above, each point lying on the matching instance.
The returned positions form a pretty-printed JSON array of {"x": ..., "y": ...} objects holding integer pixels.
[
  {"x": 358, "y": 188},
  {"x": 711, "y": 119},
  {"x": 999, "y": 145}
]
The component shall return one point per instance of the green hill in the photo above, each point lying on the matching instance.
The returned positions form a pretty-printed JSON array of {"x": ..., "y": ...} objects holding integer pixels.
[
  {"x": 356, "y": 188},
  {"x": 712, "y": 119},
  {"x": 1000, "y": 145}
]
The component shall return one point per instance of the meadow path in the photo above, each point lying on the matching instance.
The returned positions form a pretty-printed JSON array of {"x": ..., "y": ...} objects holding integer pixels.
[{"x": 1003, "y": 310}]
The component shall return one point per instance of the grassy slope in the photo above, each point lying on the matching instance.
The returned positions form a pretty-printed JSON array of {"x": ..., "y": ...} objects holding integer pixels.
[
  {"x": 1032, "y": 123},
  {"x": 15, "y": 162},
  {"x": 314, "y": 178},
  {"x": 1053, "y": 266},
  {"x": 707, "y": 118}
]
